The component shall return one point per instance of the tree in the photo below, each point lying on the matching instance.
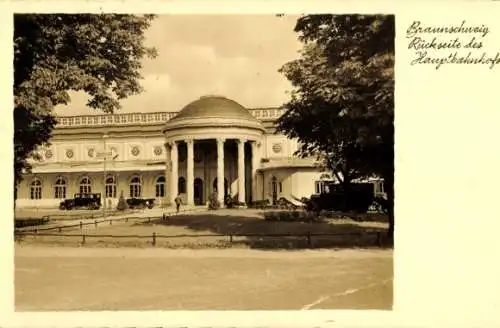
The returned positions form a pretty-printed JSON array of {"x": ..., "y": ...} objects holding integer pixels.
[
  {"x": 342, "y": 104},
  {"x": 99, "y": 54}
]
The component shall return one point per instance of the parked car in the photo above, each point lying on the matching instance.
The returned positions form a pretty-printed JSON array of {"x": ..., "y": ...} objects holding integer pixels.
[
  {"x": 134, "y": 203},
  {"x": 87, "y": 201},
  {"x": 358, "y": 198}
]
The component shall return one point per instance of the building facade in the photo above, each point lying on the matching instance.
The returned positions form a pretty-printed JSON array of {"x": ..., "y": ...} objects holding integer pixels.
[{"x": 212, "y": 144}]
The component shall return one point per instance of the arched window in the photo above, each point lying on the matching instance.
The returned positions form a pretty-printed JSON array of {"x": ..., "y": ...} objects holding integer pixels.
[
  {"x": 36, "y": 189},
  {"x": 181, "y": 186},
  {"x": 110, "y": 187},
  {"x": 135, "y": 187},
  {"x": 160, "y": 187},
  {"x": 85, "y": 186},
  {"x": 60, "y": 188},
  {"x": 322, "y": 185}
]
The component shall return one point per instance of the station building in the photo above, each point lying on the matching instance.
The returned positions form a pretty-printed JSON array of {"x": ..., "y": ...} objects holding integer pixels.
[{"x": 212, "y": 144}]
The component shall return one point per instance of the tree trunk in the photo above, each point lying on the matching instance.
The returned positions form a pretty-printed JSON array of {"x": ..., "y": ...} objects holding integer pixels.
[
  {"x": 390, "y": 212},
  {"x": 15, "y": 196},
  {"x": 345, "y": 181}
]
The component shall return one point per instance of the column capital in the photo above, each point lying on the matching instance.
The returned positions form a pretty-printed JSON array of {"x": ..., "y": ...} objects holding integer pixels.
[
  {"x": 220, "y": 140},
  {"x": 241, "y": 141},
  {"x": 173, "y": 144},
  {"x": 256, "y": 143},
  {"x": 189, "y": 141}
]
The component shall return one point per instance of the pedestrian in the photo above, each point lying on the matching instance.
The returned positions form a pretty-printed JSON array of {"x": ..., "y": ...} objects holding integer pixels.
[{"x": 178, "y": 202}]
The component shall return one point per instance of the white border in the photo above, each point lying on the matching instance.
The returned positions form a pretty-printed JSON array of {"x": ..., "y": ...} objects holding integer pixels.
[{"x": 445, "y": 272}]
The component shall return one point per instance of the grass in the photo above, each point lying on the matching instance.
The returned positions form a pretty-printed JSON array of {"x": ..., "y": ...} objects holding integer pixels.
[
  {"x": 212, "y": 230},
  {"x": 58, "y": 215}
]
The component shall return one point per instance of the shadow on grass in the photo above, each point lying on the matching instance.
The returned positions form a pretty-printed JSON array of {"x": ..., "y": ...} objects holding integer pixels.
[{"x": 257, "y": 233}]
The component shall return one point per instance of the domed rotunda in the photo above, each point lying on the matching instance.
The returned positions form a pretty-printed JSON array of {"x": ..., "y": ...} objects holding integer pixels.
[{"x": 213, "y": 139}]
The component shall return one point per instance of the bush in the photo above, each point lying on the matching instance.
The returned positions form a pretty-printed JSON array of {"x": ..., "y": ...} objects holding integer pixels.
[
  {"x": 122, "y": 204},
  {"x": 259, "y": 203},
  {"x": 213, "y": 203},
  {"x": 291, "y": 216},
  {"x": 232, "y": 202},
  {"x": 21, "y": 223}
]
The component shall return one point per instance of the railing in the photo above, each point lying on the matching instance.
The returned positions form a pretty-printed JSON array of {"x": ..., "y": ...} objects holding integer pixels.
[
  {"x": 378, "y": 240},
  {"x": 146, "y": 118},
  {"x": 373, "y": 238},
  {"x": 81, "y": 224}
]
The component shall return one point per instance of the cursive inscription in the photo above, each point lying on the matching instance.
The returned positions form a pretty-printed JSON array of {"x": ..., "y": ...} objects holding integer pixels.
[{"x": 462, "y": 43}]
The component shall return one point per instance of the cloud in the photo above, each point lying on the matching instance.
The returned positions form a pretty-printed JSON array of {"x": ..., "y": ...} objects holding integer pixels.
[{"x": 237, "y": 56}]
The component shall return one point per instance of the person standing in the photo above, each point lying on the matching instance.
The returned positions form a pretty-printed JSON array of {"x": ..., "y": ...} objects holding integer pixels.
[{"x": 178, "y": 202}]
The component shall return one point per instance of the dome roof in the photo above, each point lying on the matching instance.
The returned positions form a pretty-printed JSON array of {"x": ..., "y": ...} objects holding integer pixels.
[{"x": 214, "y": 106}]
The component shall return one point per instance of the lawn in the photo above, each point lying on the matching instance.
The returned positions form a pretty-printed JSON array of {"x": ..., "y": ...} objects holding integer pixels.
[
  {"x": 55, "y": 214},
  {"x": 212, "y": 229}
]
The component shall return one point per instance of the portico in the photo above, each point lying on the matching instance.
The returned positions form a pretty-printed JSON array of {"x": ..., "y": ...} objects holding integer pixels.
[
  {"x": 208, "y": 165},
  {"x": 212, "y": 139}
]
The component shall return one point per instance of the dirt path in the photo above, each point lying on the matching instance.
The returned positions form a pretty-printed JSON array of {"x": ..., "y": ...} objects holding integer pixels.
[
  {"x": 69, "y": 279},
  {"x": 41, "y": 251}
]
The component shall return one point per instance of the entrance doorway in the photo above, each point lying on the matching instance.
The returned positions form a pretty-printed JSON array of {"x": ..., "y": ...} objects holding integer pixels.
[
  {"x": 226, "y": 187},
  {"x": 275, "y": 190},
  {"x": 198, "y": 191}
]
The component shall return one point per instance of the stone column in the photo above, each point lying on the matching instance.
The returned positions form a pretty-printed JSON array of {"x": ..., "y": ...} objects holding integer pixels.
[
  {"x": 255, "y": 167},
  {"x": 220, "y": 170},
  {"x": 190, "y": 172},
  {"x": 241, "y": 170},
  {"x": 174, "y": 174},
  {"x": 168, "y": 174}
]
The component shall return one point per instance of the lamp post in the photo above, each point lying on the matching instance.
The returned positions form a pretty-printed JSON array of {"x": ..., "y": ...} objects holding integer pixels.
[
  {"x": 104, "y": 137},
  {"x": 36, "y": 197},
  {"x": 105, "y": 154}
]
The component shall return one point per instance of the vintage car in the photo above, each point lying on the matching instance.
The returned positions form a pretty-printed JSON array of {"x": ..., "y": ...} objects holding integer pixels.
[
  {"x": 133, "y": 203},
  {"x": 358, "y": 198},
  {"x": 87, "y": 201}
]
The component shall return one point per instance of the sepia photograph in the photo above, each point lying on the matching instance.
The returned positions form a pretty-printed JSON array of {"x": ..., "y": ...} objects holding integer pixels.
[{"x": 203, "y": 162}]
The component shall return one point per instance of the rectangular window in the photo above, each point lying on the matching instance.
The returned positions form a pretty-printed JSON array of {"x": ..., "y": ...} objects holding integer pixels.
[
  {"x": 319, "y": 187},
  {"x": 36, "y": 193},
  {"x": 60, "y": 192},
  {"x": 135, "y": 191},
  {"x": 110, "y": 191},
  {"x": 85, "y": 189},
  {"x": 160, "y": 190}
]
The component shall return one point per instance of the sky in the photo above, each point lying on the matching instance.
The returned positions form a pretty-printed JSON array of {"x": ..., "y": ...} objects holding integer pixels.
[{"x": 236, "y": 56}]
